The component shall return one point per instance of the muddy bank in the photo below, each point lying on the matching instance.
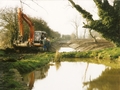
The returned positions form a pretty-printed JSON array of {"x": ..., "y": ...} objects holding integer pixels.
[{"x": 82, "y": 44}]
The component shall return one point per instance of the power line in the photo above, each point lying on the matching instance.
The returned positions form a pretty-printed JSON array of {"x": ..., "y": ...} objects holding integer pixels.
[
  {"x": 26, "y": 5},
  {"x": 22, "y": 2},
  {"x": 38, "y": 5}
]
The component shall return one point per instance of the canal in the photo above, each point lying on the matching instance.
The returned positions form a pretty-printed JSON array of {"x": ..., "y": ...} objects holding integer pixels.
[
  {"x": 73, "y": 76},
  {"x": 69, "y": 76}
]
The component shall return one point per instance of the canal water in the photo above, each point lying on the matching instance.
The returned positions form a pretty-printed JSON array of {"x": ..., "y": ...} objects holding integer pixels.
[
  {"x": 69, "y": 76},
  {"x": 66, "y": 49},
  {"x": 73, "y": 76}
]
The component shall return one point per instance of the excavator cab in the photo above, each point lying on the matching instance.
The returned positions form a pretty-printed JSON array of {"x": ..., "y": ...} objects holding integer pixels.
[{"x": 39, "y": 37}]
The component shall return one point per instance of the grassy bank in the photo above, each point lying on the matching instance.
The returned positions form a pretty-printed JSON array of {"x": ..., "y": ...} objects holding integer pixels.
[
  {"x": 32, "y": 61},
  {"x": 109, "y": 53},
  {"x": 109, "y": 56},
  {"x": 13, "y": 65}
]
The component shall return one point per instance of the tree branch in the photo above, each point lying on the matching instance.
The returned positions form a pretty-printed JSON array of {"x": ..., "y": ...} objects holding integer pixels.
[{"x": 84, "y": 13}]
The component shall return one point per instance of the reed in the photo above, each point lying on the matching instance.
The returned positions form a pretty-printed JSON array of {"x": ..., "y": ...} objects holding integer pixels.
[{"x": 57, "y": 56}]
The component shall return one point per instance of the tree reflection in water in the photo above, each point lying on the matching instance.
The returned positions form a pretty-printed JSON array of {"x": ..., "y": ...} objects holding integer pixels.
[
  {"x": 108, "y": 80},
  {"x": 57, "y": 65},
  {"x": 31, "y": 79},
  {"x": 39, "y": 73}
]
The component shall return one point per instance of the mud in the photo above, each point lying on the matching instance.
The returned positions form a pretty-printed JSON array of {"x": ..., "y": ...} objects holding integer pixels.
[{"x": 82, "y": 44}]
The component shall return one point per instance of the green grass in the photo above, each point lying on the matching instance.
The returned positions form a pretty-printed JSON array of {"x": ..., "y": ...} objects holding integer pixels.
[
  {"x": 31, "y": 62},
  {"x": 2, "y": 53},
  {"x": 110, "y": 53},
  {"x": 109, "y": 57}
]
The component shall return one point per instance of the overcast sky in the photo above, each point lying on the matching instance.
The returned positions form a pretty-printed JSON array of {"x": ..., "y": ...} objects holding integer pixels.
[{"x": 57, "y": 13}]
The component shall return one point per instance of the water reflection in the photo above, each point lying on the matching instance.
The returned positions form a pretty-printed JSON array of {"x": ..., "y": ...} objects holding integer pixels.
[
  {"x": 108, "y": 80},
  {"x": 32, "y": 77},
  {"x": 74, "y": 76},
  {"x": 69, "y": 76},
  {"x": 57, "y": 65}
]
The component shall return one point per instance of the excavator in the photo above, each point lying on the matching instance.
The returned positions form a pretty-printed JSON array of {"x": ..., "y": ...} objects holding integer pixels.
[{"x": 35, "y": 38}]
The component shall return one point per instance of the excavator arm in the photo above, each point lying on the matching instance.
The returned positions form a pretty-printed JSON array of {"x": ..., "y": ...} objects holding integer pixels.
[{"x": 21, "y": 17}]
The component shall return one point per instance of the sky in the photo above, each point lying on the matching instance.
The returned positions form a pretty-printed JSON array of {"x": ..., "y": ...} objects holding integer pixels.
[{"x": 57, "y": 13}]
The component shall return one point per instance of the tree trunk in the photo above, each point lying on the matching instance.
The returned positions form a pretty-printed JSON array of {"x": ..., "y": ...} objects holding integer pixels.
[{"x": 94, "y": 38}]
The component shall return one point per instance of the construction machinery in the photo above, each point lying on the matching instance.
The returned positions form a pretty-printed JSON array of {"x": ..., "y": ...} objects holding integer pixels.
[{"x": 35, "y": 38}]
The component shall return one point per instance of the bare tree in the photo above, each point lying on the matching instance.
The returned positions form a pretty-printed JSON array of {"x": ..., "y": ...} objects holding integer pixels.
[
  {"x": 93, "y": 36},
  {"x": 76, "y": 24},
  {"x": 84, "y": 33}
]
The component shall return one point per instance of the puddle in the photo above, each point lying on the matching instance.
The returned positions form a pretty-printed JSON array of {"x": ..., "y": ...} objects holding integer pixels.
[{"x": 76, "y": 76}]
